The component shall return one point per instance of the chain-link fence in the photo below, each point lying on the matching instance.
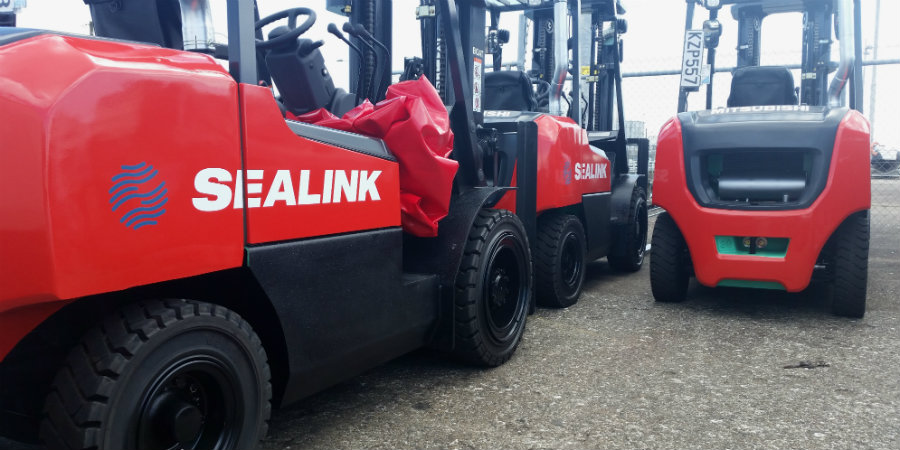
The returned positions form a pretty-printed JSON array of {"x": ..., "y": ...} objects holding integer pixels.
[{"x": 650, "y": 95}]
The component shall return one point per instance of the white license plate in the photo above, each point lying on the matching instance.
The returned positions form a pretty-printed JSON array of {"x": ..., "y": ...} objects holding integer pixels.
[
  {"x": 692, "y": 60},
  {"x": 7, "y": 6}
]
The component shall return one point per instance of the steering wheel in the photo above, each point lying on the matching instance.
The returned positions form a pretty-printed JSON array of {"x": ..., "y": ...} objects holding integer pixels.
[{"x": 294, "y": 31}]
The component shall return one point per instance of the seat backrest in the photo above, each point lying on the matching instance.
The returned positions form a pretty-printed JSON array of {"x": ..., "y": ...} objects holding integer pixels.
[
  {"x": 298, "y": 71},
  {"x": 153, "y": 21},
  {"x": 762, "y": 85},
  {"x": 508, "y": 90}
]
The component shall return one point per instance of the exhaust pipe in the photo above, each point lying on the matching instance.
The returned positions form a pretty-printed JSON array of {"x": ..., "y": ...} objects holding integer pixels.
[
  {"x": 197, "y": 25},
  {"x": 848, "y": 57},
  {"x": 560, "y": 55}
]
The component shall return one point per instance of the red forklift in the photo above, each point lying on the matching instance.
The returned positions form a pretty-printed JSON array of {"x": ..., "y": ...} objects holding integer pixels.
[
  {"x": 568, "y": 172},
  {"x": 180, "y": 256},
  {"x": 773, "y": 190},
  {"x": 565, "y": 152}
]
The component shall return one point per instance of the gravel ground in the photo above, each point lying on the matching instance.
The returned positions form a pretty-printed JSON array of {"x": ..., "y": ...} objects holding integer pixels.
[{"x": 728, "y": 369}]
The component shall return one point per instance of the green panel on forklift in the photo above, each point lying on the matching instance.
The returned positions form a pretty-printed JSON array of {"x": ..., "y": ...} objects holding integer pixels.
[
  {"x": 733, "y": 245},
  {"x": 773, "y": 285}
]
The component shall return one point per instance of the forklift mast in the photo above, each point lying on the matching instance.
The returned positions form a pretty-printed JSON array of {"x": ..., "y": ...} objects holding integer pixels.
[
  {"x": 454, "y": 62},
  {"x": 604, "y": 76},
  {"x": 816, "y": 64},
  {"x": 594, "y": 67},
  {"x": 820, "y": 17},
  {"x": 558, "y": 55},
  {"x": 557, "y": 58},
  {"x": 817, "y": 39}
]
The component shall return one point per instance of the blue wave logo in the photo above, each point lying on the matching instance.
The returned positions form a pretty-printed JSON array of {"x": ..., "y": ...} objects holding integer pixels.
[{"x": 131, "y": 191}]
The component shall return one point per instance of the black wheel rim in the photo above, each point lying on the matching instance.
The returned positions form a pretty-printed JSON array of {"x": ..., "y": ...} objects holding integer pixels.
[
  {"x": 504, "y": 287},
  {"x": 193, "y": 404},
  {"x": 571, "y": 262}
]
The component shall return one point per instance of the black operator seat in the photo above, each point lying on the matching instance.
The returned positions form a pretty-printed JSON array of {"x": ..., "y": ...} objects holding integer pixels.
[
  {"x": 762, "y": 86},
  {"x": 508, "y": 90},
  {"x": 299, "y": 72},
  {"x": 157, "y": 22}
]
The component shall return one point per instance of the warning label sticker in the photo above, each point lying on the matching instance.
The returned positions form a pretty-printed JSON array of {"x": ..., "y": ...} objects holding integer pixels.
[{"x": 476, "y": 81}]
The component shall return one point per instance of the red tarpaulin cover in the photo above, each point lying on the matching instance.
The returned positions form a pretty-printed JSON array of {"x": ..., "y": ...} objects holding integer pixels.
[{"x": 413, "y": 122}]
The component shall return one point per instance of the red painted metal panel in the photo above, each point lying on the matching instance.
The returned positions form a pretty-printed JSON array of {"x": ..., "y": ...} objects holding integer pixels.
[
  {"x": 848, "y": 191},
  {"x": 567, "y": 167},
  {"x": 101, "y": 144},
  {"x": 299, "y": 188}
]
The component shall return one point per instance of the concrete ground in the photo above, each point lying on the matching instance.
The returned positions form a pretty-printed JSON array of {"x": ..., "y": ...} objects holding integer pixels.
[{"x": 727, "y": 369}]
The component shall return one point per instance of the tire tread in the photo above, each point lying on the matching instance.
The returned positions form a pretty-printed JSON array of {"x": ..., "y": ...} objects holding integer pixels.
[
  {"x": 547, "y": 279},
  {"x": 851, "y": 260},
  {"x": 621, "y": 256},
  {"x": 668, "y": 275},
  {"x": 470, "y": 344},
  {"x": 79, "y": 395}
]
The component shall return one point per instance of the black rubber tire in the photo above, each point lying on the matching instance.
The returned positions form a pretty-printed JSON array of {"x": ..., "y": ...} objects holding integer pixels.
[
  {"x": 493, "y": 289},
  {"x": 630, "y": 244},
  {"x": 559, "y": 261},
  {"x": 669, "y": 261},
  {"x": 153, "y": 361},
  {"x": 851, "y": 266}
]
